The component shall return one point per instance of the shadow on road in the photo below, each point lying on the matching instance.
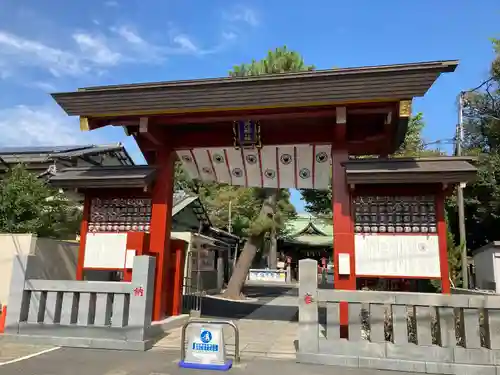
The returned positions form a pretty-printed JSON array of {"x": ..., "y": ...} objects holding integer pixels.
[{"x": 225, "y": 309}]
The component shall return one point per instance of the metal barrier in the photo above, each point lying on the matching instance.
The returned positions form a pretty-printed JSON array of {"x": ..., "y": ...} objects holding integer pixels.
[{"x": 207, "y": 321}]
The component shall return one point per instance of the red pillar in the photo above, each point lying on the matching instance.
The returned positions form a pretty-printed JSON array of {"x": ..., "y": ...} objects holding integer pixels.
[
  {"x": 442, "y": 232},
  {"x": 161, "y": 224},
  {"x": 83, "y": 236},
  {"x": 343, "y": 231},
  {"x": 178, "y": 276}
]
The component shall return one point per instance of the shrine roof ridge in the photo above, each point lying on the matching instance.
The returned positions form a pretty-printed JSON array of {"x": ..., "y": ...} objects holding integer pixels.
[
  {"x": 334, "y": 87},
  {"x": 428, "y": 170},
  {"x": 412, "y": 158},
  {"x": 444, "y": 66}
]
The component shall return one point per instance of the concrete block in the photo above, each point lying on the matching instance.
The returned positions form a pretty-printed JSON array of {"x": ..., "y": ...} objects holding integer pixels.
[
  {"x": 325, "y": 359},
  {"x": 120, "y": 314},
  {"x": 53, "y": 307},
  {"x": 84, "y": 316},
  {"x": 392, "y": 364},
  {"x": 103, "y": 307},
  {"x": 412, "y": 352},
  {"x": 361, "y": 348},
  {"x": 480, "y": 356},
  {"x": 69, "y": 309}
]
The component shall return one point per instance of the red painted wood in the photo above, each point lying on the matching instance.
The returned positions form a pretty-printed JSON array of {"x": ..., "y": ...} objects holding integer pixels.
[
  {"x": 221, "y": 136},
  {"x": 83, "y": 236},
  {"x": 343, "y": 228},
  {"x": 161, "y": 224},
  {"x": 443, "y": 244},
  {"x": 211, "y": 118},
  {"x": 179, "y": 247},
  {"x": 137, "y": 241},
  {"x": 2, "y": 319},
  {"x": 396, "y": 277}
]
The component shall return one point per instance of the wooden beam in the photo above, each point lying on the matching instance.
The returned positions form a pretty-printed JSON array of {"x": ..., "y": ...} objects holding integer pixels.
[
  {"x": 143, "y": 125},
  {"x": 341, "y": 115}
]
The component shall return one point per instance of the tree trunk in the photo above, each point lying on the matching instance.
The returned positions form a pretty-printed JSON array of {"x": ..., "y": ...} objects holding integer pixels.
[
  {"x": 273, "y": 251},
  {"x": 247, "y": 255}
]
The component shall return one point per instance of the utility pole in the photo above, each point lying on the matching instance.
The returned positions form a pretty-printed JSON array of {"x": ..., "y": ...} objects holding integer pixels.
[{"x": 460, "y": 194}]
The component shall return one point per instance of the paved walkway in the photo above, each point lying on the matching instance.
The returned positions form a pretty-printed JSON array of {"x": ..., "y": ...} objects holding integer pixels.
[{"x": 270, "y": 331}]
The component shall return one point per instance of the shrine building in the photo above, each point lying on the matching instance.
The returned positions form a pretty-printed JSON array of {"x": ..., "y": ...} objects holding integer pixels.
[{"x": 296, "y": 130}]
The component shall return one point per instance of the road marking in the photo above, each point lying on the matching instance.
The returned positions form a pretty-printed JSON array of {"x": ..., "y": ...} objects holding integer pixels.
[{"x": 29, "y": 356}]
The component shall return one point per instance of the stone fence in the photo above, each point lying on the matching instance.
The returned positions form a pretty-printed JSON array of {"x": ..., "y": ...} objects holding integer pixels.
[
  {"x": 108, "y": 315},
  {"x": 414, "y": 332}
]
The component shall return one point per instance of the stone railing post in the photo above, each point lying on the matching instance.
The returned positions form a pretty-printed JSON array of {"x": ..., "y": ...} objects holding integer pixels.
[
  {"x": 23, "y": 267},
  {"x": 308, "y": 306},
  {"x": 142, "y": 295}
]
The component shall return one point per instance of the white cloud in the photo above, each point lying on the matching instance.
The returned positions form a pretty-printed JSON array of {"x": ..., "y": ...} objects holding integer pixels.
[
  {"x": 185, "y": 43},
  {"x": 33, "y": 126},
  {"x": 50, "y": 126},
  {"x": 244, "y": 14},
  {"x": 94, "y": 52},
  {"x": 97, "y": 49},
  {"x": 111, "y": 3},
  {"x": 18, "y": 51},
  {"x": 229, "y": 35},
  {"x": 130, "y": 35},
  {"x": 44, "y": 86}
]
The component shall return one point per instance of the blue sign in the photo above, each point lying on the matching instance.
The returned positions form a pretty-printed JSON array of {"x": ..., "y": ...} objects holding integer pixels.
[
  {"x": 206, "y": 337},
  {"x": 205, "y": 347},
  {"x": 246, "y": 134}
]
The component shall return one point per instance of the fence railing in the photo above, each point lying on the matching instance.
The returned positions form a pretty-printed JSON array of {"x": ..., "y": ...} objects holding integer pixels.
[
  {"x": 429, "y": 333},
  {"x": 115, "y": 315}
]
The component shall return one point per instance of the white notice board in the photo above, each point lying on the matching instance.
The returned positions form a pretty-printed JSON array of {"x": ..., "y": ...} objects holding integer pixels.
[
  {"x": 393, "y": 255},
  {"x": 105, "y": 250}
]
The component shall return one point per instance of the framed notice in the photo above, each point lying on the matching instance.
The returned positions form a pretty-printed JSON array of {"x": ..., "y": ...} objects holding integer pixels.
[
  {"x": 105, "y": 250},
  {"x": 397, "y": 256}
]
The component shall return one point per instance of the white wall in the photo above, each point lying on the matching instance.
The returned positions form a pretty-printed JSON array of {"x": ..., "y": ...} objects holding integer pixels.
[
  {"x": 487, "y": 266},
  {"x": 57, "y": 259}
]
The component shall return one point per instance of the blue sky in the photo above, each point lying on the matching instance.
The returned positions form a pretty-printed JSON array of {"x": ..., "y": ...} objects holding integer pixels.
[{"x": 60, "y": 45}]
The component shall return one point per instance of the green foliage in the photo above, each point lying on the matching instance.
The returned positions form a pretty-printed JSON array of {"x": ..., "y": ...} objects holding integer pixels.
[
  {"x": 28, "y": 205},
  {"x": 281, "y": 60},
  {"x": 482, "y": 139},
  {"x": 319, "y": 202}
]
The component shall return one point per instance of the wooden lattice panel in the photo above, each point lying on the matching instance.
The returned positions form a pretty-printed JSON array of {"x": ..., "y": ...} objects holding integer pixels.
[
  {"x": 120, "y": 215},
  {"x": 395, "y": 214}
]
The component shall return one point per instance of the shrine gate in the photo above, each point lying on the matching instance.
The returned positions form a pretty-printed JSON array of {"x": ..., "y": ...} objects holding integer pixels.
[{"x": 296, "y": 130}]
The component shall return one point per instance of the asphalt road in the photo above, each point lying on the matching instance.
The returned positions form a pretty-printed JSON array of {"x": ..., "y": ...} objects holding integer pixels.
[
  {"x": 67, "y": 361},
  {"x": 212, "y": 307}
]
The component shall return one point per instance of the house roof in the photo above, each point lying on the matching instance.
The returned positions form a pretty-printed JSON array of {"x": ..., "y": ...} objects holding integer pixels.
[
  {"x": 136, "y": 176},
  {"x": 448, "y": 170},
  {"x": 36, "y": 158},
  {"x": 181, "y": 200},
  {"x": 323, "y": 87}
]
